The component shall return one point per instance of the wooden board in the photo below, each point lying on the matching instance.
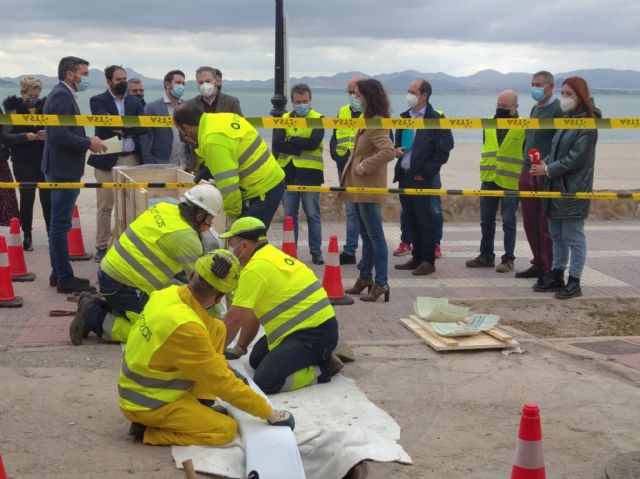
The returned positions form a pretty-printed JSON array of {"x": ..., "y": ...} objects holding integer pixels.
[{"x": 492, "y": 339}]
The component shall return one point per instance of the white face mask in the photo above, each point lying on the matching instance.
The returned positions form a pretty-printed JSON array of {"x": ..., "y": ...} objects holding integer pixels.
[
  {"x": 567, "y": 104},
  {"x": 412, "y": 100},
  {"x": 207, "y": 89}
]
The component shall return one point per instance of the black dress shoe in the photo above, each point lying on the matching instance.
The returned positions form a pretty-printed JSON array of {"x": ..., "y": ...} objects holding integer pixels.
[
  {"x": 424, "y": 269},
  {"x": 531, "y": 272},
  {"x": 27, "y": 242},
  {"x": 347, "y": 258},
  {"x": 53, "y": 281},
  {"x": 317, "y": 259},
  {"x": 409, "y": 265},
  {"x": 73, "y": 284}
]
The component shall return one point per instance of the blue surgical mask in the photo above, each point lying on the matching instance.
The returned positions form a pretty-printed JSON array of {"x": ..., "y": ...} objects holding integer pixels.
[
  {"x": 356, "y": 104},
  {"x": 177, "y": 90},
  {"x": 302, "y": 109},
  {"x": 537, "y": 93},
  {"x": 83, "y": 84}
]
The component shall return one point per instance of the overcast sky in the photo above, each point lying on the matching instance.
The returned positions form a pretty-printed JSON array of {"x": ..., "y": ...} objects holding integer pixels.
[{"x": 458, "y": 37}]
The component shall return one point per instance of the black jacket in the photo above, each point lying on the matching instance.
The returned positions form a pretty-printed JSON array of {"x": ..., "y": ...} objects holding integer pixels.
[
  {"x": 15, "y": 136},
  {"x": 430, "y": 149}
]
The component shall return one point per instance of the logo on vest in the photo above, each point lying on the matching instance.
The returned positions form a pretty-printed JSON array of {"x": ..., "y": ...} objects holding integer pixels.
[
  {"x": 144, "y": 329},
  {"x": 157, "y": 217}
]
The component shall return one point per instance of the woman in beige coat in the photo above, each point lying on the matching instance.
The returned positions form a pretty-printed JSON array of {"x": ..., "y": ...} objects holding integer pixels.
[{"x": 367, "y": 168}]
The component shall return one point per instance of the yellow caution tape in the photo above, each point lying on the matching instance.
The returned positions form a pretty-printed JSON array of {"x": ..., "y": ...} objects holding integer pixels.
[
  {"x": 597, "y": 195},
  {"x": 114, "y": 121}
]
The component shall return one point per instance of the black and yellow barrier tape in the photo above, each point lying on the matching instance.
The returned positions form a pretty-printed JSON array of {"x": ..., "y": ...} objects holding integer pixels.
[
  {"x": 595, "y": 195},
  {"x": 114, "y": 121}
]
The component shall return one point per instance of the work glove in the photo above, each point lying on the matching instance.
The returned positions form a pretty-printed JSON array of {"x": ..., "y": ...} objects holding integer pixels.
[
  {"x": 202, "y": 174},
  {"x": 281, "y": 418},
  {"x": 235, "y": 352},
  {"x": 239, "y": 376}
]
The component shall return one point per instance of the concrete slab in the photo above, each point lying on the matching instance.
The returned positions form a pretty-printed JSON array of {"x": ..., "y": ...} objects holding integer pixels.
[
  {"x": 610, "y": 347},
  {"x": 630, "y": 360}
]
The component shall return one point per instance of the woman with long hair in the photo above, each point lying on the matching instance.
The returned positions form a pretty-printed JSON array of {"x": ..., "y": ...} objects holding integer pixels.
[
  {"x": 367, "y": 168},
  {"x": 569, "y": 169}
]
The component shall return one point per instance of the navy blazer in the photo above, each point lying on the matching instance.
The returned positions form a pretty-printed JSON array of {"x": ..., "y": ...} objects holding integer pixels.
[
  {"x": 65, "y": 147},
  {"x": 430, "y": 149},
  {"x": 104, "y": 104}
]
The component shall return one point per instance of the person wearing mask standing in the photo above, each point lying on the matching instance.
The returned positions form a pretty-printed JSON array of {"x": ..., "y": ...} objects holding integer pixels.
[
  {"x": 211, "y": 99},
  {"x": 341, "y": 146},
  {"x": 300, "y": 154},
  {"x": 135, "y": 87},
  {"x": 500, "y": 167}
]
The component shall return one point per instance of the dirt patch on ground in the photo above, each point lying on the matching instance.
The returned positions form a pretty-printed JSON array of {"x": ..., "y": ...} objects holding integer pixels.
[{"x": 571, "y": 318}]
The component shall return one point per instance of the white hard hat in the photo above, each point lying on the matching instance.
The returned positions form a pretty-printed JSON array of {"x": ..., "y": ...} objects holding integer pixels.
[{"x": 207, "y": 197}]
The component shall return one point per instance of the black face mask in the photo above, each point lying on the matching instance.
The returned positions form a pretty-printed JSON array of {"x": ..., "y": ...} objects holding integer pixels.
[
  {"x": 140, "y": 96},
  {"x": 120, "y": 88},
  {"x": 503, "y": 113}
]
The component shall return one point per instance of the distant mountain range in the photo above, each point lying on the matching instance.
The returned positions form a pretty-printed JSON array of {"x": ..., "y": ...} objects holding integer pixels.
[{"x": 600, "y": 80}]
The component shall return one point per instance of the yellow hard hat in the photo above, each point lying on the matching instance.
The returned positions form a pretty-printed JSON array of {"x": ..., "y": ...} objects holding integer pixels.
[
  {"x": 248, "y": 227},
  {"x": 220, "y": 268}
]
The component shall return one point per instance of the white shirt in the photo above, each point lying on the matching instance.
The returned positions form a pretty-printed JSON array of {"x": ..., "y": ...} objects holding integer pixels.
[
  {"x": 405, "y": 162},
  {"x": 128, "y": 145},
  {"x": 178, "y": 149}
]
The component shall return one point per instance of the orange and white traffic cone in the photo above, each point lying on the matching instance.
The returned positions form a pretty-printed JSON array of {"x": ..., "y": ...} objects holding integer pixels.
[
  {"x": 3, "y": 473},
  {"x": 529, "y": 460},
  {"x": 75, "y": 241},
  {"x": 8, "y": 298},
  {"x": 16, "y": 254},
  {"x": 289, "y": 238},
  {"x": 332, "y": 278}
]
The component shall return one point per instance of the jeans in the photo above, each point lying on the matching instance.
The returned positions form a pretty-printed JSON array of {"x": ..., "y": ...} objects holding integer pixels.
[
  {"x": 311, "y": 206},
  {"x": 374, "y": 245},
  {"x": 569, "y": 241},
  {"x": 307, "y": 347},
  {"x": 30, "y": 171},
  {"x": 353, "y": 230},
  {"x": 535, "y": 223},
  {"x": 62, "y": 203},
  {"x": 488, "y": 210},
  {"x": 436, "y": 211},
  {"x": 264, "y": 209}
]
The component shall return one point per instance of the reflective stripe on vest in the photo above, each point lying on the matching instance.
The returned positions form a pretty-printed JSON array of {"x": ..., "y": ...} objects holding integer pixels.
[
  {"x": 502, "y": 164},
  {"x": 306, "y": 159},
  {"x": 345, "y": 136},
  {"x": 301, "y": 304},
  {"x": 141, "y": 387},
  {"x": 135, "y": 254}
]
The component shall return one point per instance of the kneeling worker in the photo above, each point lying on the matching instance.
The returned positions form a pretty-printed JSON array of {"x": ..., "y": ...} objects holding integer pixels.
[
  {"x": 284, "y": 296},
  {"x": 173, "y": 365},
  {"x": 162, "y": 242}
]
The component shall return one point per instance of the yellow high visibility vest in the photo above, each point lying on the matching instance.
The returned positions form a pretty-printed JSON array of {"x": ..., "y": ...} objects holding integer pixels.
[
  {"x": 345, "y": 136},
  {"x": 502, "y": 164},
  {"x": 140, "y": 387},
  {"x": 137, "y": 257},
  {"x": 307, "y": 159},
  {"x": 301, "y": 304}
]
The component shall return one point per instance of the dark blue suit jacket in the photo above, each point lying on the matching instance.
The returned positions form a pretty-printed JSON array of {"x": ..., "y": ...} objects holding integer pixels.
[
  {"x": 104, "y": 104},
  {"x": 430, "y": 149},
  {"x": 65, "y": 147}
]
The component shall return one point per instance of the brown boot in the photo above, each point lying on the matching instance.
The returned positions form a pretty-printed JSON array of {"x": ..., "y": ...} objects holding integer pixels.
[
  {"x": 360, "y": 285},
  {"x": 376, "y": 292},
  {"x": 409, "y": 265},
  {"x": 424, "y": 269}
]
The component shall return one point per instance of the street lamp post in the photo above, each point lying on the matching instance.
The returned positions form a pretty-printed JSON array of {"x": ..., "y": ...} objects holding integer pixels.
[{"x": 279, "y": 100}]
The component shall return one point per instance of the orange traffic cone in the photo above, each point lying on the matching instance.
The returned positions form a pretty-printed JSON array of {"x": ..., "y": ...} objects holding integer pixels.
[
  {"x": 529, "y": 460},
  {"x": 8, "y": 299},
  {"x": 16, "y": 254},
  {"x": 3, "y": 473},
  {"x": 332, "y": 279},
  {"x": 75, "y": 241},
  {"x": 289, "y": 238}
]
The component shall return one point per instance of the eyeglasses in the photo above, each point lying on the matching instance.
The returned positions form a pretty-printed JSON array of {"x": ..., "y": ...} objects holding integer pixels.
[{"x": 351, "y": 92}]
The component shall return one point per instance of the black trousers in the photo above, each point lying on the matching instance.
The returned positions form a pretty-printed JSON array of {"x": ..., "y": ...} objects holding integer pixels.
[
  {"x": 30, "y": 171},
  {"x": 420, "y": 218}
]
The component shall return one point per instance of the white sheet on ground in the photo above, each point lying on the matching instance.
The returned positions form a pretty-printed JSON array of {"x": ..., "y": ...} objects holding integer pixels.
[{"x": 336, "y": 428}]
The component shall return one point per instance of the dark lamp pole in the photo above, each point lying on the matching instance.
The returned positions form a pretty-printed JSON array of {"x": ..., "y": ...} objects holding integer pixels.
[{"x": 279, "y": 100}]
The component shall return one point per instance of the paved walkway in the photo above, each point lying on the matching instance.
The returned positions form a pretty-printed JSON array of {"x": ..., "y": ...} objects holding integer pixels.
[{"x": 613, "y": 270}]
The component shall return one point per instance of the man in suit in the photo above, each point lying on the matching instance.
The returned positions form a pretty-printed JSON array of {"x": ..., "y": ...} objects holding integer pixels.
[
  {"x": 211, "y": 99},
  {"x": 135, "y": 87},
  {"x": 421, "y": 154},
  {"x": 65, "y": 149},
  {"x": 163, "y": 144},
  {"x": 114, "y": 101}
]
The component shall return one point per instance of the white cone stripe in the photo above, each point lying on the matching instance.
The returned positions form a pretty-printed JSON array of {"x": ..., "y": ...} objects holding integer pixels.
[
  {"x": 75, "y": 223},
  {"x": 14, "y": 240},
  {"x": 4, "y": 260},
  {"x": 289, "y": 237},
  {"x": 529, "y": 454},
  {"x": 332, "y": 259}
]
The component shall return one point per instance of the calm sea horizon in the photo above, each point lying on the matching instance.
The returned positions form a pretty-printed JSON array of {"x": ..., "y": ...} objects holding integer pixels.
[{"x": 257, "y": 102}]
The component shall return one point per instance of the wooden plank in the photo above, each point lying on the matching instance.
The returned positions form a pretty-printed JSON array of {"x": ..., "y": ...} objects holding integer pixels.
[
  {"x": 496, "y": 333},
  {"x": 451, "y": 342}
]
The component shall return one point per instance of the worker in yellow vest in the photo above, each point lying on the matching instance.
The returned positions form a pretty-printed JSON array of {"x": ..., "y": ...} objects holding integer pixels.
[
  {"x": 282, "y": 295},
  {"x": 173, "y": 368},
  {"x": 500, "y": 166},
  {"x": 233, "y": 153},
  {"x": 161, "y": 243},
  {"x": 299, "y": 152},
  {"x": 341, "y": 146}
]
